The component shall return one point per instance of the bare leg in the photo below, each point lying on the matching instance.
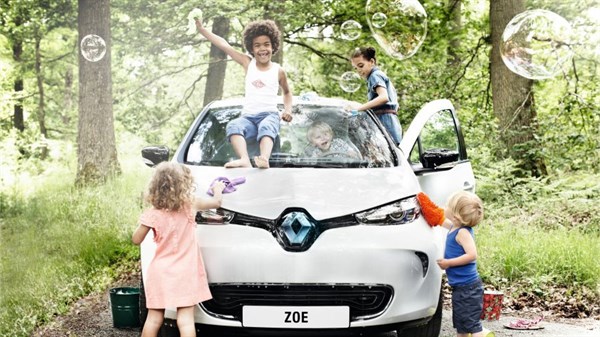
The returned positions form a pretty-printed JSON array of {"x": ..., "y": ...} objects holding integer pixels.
[
  {"x": 266, "y": 146},
  {"x": 239, "y": 146},
  {"x": 185, "y": 322},
  {"x": 153, "y": 322}
]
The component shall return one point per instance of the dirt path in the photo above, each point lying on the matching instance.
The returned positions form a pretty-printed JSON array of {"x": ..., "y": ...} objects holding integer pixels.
[{"x": 91, "y": 317}]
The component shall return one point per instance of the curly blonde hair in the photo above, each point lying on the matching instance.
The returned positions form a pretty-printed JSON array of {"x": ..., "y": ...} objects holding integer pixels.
[
  {"x": 466, "y": 207},
  {"x": 171, "y": 187}
]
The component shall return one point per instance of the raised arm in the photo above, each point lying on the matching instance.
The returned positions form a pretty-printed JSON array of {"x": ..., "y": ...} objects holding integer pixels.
[{"x": 220, "y": 42}]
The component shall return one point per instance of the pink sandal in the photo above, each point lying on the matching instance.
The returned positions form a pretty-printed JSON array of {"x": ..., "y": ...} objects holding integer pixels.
[{"x": 525, "y": 324}]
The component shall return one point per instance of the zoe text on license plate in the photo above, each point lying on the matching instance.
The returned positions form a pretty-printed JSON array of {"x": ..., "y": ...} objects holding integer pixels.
[{"x": 296, "y": 316}]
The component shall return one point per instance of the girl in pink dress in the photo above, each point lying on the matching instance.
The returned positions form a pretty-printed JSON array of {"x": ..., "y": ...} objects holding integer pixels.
[{"x": 176, "y": 277}]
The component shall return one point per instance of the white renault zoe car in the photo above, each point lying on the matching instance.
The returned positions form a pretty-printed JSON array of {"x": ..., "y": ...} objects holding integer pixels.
[{"x": 323, "y": 241}]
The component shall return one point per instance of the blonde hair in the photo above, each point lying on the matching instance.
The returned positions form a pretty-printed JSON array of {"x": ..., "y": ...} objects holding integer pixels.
[
  {"x": 171, "y": 187},
  {"x": 318, "y": 127},
  {"x": 466, "y": 207}
]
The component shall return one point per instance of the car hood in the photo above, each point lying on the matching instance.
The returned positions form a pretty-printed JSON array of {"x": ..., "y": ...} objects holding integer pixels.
[{"x": 323, "y": 193}]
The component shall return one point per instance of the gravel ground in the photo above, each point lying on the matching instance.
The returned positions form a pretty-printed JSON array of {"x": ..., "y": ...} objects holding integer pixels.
[{"x": 91, "y": 317}]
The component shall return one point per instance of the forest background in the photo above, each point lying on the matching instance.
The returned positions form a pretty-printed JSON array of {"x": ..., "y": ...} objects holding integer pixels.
[{"x": 71, "y": 133}]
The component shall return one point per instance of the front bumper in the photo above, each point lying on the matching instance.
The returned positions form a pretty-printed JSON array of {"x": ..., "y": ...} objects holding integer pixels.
[{"x": 247, "y": 266}]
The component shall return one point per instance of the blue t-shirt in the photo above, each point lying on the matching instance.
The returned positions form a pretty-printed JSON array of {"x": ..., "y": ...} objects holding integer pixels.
[
  {"x": 459, "y": 275},
  {"x": 377, "y": 78}
]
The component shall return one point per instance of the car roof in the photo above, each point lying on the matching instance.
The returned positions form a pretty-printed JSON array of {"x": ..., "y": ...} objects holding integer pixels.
[{"x": 306, "y": 99}]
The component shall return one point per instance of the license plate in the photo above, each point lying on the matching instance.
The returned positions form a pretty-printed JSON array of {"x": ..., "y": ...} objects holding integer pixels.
[{"x": 296, "y": 317}]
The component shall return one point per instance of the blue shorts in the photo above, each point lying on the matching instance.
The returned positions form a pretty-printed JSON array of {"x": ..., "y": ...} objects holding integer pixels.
[
  {"x": 392, "y": 125},
  {"x": 255, "y": 126},
  {"x": 467, "y": 303}
]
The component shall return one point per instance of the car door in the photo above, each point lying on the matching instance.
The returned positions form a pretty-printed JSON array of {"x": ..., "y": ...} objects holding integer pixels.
[{"x": 435, "y": 148}]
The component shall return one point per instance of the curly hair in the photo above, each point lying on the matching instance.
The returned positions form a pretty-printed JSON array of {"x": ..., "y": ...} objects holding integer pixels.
[
  {"x": 171, "y": 187},
  {"x": 259, "y": 28}
]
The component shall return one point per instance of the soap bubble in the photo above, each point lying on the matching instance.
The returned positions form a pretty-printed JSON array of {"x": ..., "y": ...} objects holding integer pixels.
[
  {"x": 378, "y": 20},
  {"x": 536, "y": 44},
  {"x": 350, "y": 30},
  {"x": 350, "y": 81},
  {"x": 93, "y": 47},
  {"x": 404, "y": 28}
]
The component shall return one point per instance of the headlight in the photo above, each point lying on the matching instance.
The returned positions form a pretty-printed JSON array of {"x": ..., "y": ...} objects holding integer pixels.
[
  {"x": 219, "y": 216},
  {"x": 397, "y": 213}
]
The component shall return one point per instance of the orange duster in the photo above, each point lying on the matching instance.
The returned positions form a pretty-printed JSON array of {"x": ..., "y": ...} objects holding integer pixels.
[{"x": 433, "y": 214}]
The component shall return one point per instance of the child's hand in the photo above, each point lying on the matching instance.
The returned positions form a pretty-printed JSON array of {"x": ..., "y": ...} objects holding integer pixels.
[
  {"x": 218, "y": 187},
  {"x": 351, "y": 106},
  {"x": 286, "y": 116},
  {"x": 443, "y": 263}
]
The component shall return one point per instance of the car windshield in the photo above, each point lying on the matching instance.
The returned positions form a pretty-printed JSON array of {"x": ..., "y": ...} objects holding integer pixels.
[{"x": 318, "y": 136}]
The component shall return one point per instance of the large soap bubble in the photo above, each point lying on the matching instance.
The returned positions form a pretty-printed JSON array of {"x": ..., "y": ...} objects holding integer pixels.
[
  {"x": 350, "y": 81},
  {"x": 350, "y": 30},
  {"x": 93, "y": 47},
  {"x": 398, "y": 26},
  {"x": 536, "y": 44}
]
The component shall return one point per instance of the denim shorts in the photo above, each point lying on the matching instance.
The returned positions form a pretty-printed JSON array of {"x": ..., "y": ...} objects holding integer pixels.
[
  {"x": 467, "y": 303},
  {"x": 255, "y": 126},
  {"x": 392, "y": 125}
]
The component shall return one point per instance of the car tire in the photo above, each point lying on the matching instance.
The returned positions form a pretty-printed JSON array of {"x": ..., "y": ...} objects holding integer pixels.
[{"x": 432, "y": 328}]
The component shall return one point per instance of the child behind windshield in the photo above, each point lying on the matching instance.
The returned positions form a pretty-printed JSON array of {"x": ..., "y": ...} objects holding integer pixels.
[{"x": 324, "y": 144}]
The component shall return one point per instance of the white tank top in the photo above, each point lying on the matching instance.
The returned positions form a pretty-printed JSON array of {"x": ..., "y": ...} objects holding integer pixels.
[{"x": 261, "y": 89}]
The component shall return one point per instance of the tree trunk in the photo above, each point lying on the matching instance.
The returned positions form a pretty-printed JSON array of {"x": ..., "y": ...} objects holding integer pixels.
[
  {"x": 513, "y": 99},
  {"x": 41, "y": 113},
  {"x": 96, "y": 152},
  {"x": 218, "y": 63},
  {"x": 17, "y": 51},
  {"x": 65, "y": 115},
  {"x": 454, "y": 10}
]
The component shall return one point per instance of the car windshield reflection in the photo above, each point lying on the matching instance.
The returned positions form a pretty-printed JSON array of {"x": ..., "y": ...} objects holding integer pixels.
[{"x": 318, "y": 137}]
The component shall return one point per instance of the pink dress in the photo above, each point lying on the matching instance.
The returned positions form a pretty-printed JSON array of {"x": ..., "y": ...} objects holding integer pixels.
[{"x": 176, "y": 276}]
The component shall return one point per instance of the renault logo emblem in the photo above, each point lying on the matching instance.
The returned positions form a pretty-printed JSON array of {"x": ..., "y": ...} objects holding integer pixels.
[{"x": 297, "y": 229}]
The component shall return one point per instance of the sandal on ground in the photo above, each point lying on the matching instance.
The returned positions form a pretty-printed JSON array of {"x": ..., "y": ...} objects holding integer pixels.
[{"x": 525, "y": 324}]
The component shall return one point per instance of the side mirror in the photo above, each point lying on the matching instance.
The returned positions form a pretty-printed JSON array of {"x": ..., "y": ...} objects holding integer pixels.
[
  {"x": 154, "y": 155},
  {"x": 434, "y": 158}
]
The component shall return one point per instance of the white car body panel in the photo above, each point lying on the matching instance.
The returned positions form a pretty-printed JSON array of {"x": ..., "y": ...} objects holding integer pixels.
[{"x": 358, "y": 254}]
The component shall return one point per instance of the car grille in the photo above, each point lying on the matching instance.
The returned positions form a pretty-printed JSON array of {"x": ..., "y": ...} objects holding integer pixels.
[{"x": 365, "y": 301}]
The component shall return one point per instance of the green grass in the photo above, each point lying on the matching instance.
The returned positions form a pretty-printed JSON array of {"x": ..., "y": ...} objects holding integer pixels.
[
  {"x": 61, "y": 243},
  {"x": 542, "y": 235}
]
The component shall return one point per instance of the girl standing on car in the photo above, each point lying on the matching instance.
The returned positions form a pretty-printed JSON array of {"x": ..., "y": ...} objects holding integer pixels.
[
  {"x": 176, "y": 277},
  {"x": 381, "y": 94}
]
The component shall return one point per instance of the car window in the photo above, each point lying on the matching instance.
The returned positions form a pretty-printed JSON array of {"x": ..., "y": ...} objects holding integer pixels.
[
  {"x": 438, "y": 141},
  {"x": 318, "y": 136}
]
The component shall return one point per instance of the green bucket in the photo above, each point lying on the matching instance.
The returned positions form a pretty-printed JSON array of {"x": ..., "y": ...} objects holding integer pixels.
[{"x": 125, "y": 305}]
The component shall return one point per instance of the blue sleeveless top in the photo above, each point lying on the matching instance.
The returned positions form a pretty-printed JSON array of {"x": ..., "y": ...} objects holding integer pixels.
[{"x": 459, "y": 275}]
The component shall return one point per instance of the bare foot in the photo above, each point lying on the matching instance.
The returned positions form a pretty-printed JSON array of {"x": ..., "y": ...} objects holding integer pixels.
[
  {"x": 261, "y": 162},
  {"x": 238, "y": 163}
]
